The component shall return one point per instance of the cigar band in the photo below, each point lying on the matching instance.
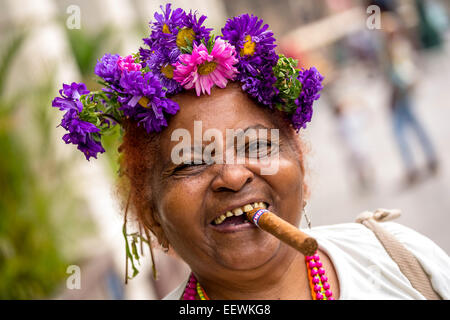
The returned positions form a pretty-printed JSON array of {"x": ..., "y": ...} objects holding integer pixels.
[{"x": 258, "y": 215}]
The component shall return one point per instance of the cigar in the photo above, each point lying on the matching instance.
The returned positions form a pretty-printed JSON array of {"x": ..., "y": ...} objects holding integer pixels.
[{"x": 283, "y": 230}]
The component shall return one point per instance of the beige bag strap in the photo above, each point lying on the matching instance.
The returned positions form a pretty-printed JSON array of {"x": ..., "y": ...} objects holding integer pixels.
[{"x": 406, "y": 261}]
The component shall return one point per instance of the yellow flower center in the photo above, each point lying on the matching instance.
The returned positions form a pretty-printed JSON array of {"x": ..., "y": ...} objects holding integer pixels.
[
  {"x": 184, "y": 35},
  {"x": 167, "y": 70},
  {"x": 206, "y": 68},
  {"x": 165, "y": 28},
  {"x": 249, "y": 47},
  {"x": 144, "y": 102}
]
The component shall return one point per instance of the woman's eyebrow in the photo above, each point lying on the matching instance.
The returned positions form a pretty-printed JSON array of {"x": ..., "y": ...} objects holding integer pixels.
[
  {"x": 195, "y": 149},
  {"x": 256, "y": 126}
]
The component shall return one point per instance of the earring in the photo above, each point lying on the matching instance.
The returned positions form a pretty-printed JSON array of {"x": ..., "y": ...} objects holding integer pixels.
[
  {"x": 164, "y": 245},
  {"x": 307, "y": 218}
]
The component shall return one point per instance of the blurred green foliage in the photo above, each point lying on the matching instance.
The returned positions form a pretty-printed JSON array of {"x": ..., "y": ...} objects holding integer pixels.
[
  {"x": 31, "y": 262},
  {"x": 40, "y": 214},
  {"x": 86, "y": 47}
]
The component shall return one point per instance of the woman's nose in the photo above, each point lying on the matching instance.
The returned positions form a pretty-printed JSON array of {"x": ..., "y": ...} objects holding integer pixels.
[{"x": 232, "y": 177}]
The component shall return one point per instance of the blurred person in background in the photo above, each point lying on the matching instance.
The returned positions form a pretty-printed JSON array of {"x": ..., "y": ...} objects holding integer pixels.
[
  {"x": 351, "y": 122},
  {"x": 354, "y": 57},
  {"x": 432, "y": 23},
  {"x": 402, "y": 75}
]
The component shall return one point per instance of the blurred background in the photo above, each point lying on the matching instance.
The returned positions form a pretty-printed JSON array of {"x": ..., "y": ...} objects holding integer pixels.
[{"x": 380, "y": 135}]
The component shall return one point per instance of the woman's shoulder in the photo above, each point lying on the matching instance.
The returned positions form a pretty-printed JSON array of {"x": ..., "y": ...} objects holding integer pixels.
[
  {"x": 344, "y": 235},
  {"x": 357, "y": 247},
  {"x": 176, "y": 293},
  {"x": 356, "y": 234}
]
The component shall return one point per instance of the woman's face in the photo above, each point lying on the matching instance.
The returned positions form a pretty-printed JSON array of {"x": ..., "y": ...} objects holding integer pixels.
[{"x": 188, "y": 198}]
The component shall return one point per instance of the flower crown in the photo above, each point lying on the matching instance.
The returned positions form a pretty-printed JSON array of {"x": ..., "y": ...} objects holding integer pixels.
[{"x": 182, "y": 53}]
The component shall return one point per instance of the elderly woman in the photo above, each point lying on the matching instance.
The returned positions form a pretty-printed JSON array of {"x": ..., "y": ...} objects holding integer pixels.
[{"x": 210, "y": 133}]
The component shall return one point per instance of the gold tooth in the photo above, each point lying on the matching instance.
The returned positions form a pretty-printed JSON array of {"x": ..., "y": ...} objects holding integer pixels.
[
  {"x": 248, "y": 207},
  {"x": 238, "y": 211}
]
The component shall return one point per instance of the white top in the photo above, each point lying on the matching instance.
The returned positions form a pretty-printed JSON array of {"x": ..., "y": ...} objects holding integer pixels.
[{"x": 363, "y": 267}]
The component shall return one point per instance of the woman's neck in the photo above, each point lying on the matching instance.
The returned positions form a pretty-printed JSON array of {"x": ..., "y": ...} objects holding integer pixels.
[{"x": 284, "y": 278}]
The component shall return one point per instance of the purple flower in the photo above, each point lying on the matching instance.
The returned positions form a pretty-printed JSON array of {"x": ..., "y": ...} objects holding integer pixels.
[
  {"x": 144, "y": 55},
  {"x": 131, "y": 83},
  {"x": 82, "y": 133},
  {"x": 311, "y": 81},
  {"x": 260, "y": 87},
  {"x": 196, "y": 25},
  {"x": 249, "y": 36},
  {"x": 146, "y": 100},
  {"x": 70, "y": 97},
  {"x": 91, "y": 147},
  {"x": 74, "y": 91},
  {"x": 161, "y": 63},
  {"x": 256, "y": 47},
  {"x": 175, "y": 29},
  {"x": 107, "y": 68},
  {"x": 165, "y": 28}
]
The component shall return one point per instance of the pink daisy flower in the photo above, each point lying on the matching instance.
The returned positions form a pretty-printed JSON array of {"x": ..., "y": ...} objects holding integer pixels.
[
  {"x": 128, "y": 63},
  {"x": 203, "y": 70}
]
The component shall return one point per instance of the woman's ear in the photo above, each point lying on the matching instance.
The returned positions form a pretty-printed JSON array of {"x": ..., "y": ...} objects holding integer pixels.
[{"x": 151, "y": 221}]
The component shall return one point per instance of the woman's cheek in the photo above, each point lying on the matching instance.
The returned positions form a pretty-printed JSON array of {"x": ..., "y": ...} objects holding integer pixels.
[
  {"x": 289, "y": 174},
  {"x": 181, "y": 203},
  {"x": 288, "y": 189},
  {"x": 280, "y": 172}
]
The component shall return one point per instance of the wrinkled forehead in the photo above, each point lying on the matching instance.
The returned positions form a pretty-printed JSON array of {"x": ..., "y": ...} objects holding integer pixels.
[{"x": 228, "y": 108}]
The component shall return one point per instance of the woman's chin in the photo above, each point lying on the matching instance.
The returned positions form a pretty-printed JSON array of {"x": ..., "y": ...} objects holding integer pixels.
[{"x": 247, "y": 256}]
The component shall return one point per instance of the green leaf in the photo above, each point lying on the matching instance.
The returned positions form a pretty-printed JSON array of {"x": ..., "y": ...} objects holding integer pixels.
[
  {"x": 8, "y": 53},
  {"x": 211, "y": 43},
  {"x": 128, "y": 252},
  {"x": 187, "y": 50},
  {"x": 287, "y": 83},
  {"x": 134, "y": 249}
]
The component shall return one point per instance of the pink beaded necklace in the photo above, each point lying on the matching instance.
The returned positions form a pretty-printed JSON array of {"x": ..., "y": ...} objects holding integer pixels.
[{"x": 318, "y": 282}]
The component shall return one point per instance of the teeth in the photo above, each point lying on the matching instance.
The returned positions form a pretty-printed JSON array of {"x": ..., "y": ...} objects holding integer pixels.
[
  {"x": 239, "y": 211},
  {"x": 220, "y": 219}
]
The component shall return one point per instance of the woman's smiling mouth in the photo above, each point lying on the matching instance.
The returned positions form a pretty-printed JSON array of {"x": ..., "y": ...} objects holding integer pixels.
[{"x": 235, "y": 220}]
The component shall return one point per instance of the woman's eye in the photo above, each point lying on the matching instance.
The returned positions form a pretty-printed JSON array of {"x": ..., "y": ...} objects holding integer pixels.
[
  {"x": 188, "y": 166},
  {"x": 259, "y": 149}
]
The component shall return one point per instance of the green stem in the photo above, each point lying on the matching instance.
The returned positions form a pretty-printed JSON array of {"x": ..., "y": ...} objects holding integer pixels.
[{"x": 110, "y": 116}]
